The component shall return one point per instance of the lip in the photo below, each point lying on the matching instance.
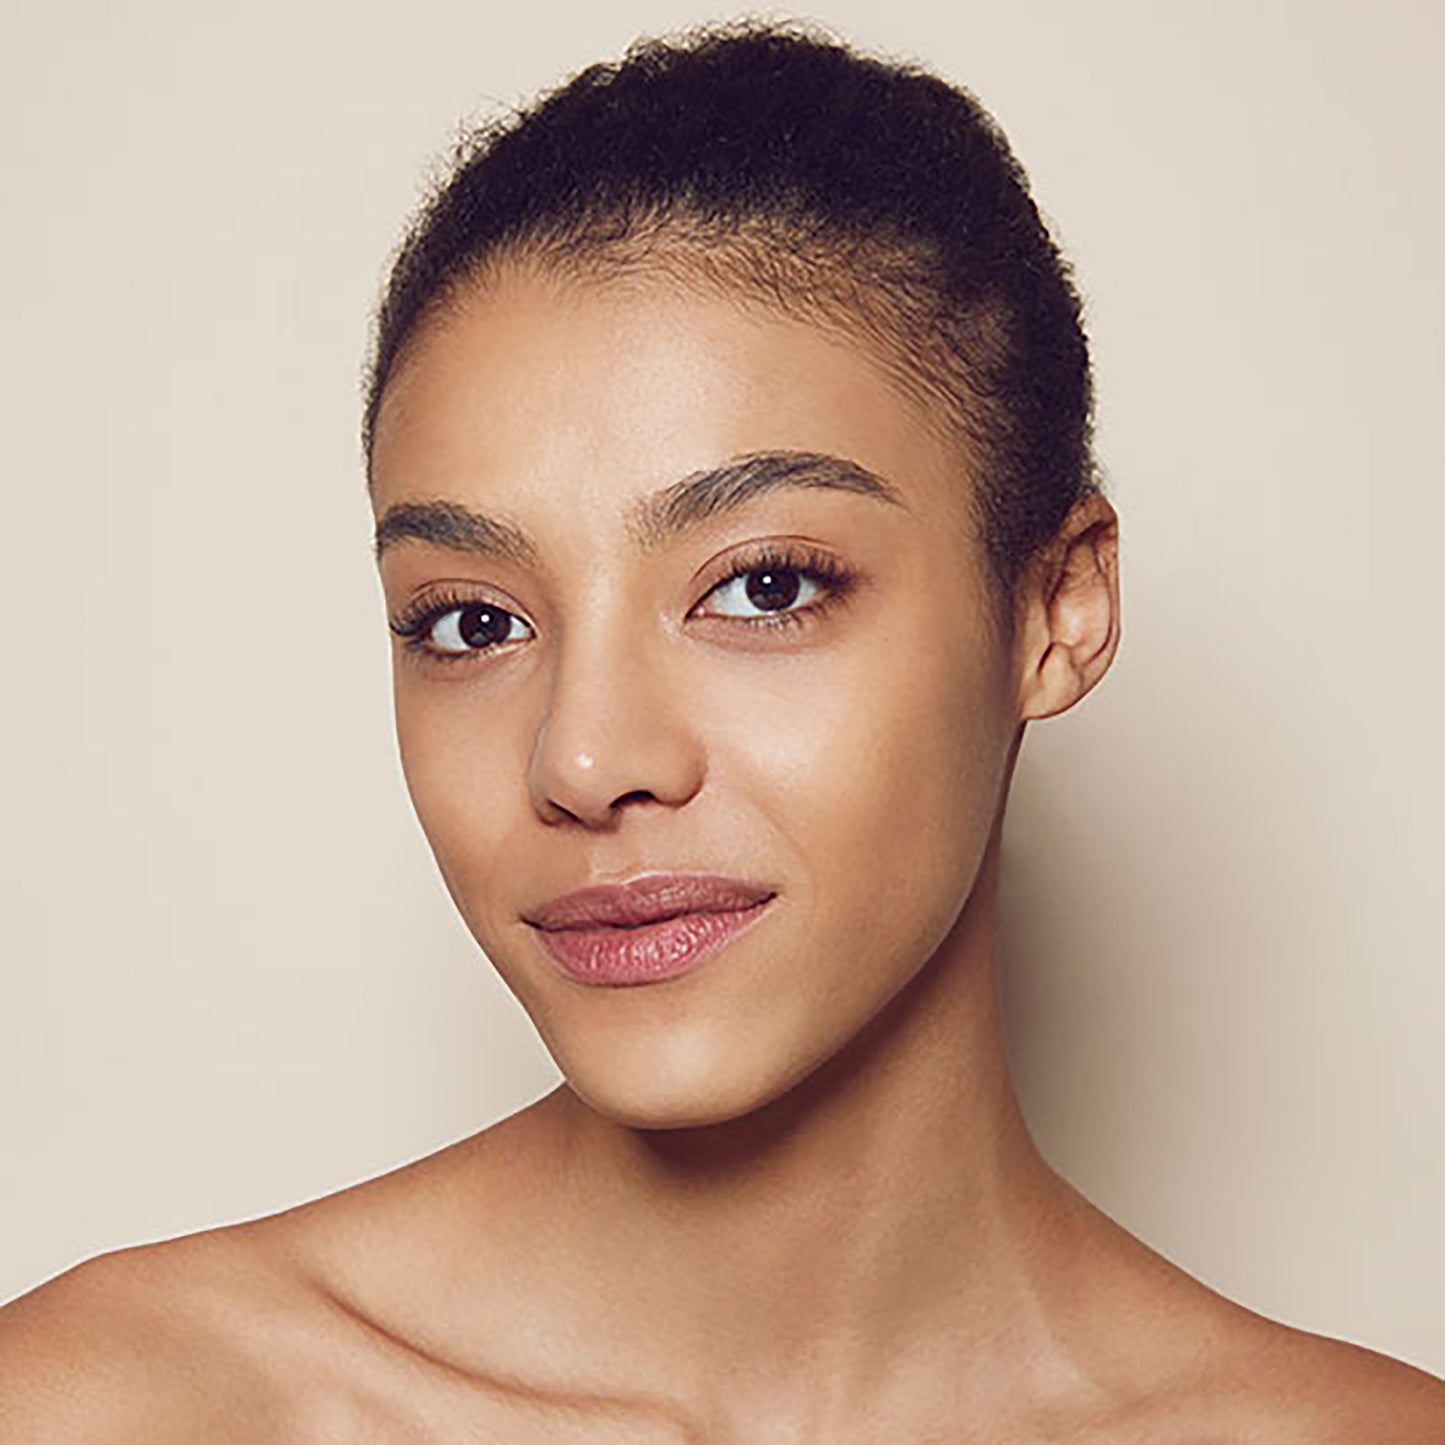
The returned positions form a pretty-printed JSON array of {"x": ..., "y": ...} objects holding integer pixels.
[{"x": 647, "y": 929}]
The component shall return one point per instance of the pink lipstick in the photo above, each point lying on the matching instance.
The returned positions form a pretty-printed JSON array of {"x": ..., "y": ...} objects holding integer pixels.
[{"x": 649, "y": 929}]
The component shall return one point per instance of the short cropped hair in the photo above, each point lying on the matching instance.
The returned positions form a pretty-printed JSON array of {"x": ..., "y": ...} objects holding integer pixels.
[{"x": 777, "y": 165}]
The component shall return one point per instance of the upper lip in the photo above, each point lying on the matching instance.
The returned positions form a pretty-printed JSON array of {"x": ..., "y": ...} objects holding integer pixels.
[{"x": 648, "y": 900}]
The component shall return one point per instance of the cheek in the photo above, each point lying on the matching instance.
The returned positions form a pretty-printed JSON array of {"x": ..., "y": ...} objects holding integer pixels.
[
  {"x": 868, "y": 781},
  {"x": 458, "y": 758},
  {"x": 879, "y": 768}
]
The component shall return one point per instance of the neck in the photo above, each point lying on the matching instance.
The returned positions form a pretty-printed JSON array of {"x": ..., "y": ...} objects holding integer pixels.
[{"x": 891, "y": 1196}]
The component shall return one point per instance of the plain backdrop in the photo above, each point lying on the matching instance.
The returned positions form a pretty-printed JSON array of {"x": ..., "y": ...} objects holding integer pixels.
[{"x": 231, "y": 978}]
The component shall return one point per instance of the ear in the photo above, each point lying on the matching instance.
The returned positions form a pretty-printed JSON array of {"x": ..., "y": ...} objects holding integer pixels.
[{"x": 1068, "y": 619}]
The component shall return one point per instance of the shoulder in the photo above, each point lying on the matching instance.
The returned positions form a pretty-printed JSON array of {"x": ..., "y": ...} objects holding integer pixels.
[
  {"x": 1329, "y": 1391},
  {"x": 1165, "y": 1357},
  {"x": 206, "y": 1337},
  {"x": 286, "y": 1328},
  {"x": 1281, "y": 1386},
  {"x": 282, "y": 1329}
]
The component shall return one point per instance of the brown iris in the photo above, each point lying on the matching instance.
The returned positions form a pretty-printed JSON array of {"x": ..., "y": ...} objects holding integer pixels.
[
  {"x": 772, "y": 590},
  {"x": 481, "y": 625}
]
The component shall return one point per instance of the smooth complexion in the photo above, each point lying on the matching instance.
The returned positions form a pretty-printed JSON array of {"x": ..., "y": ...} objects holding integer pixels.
[
  {"x": 785, "y": 1195},
  {"x": 851, "y": 754},
  {"x": 853, "y": 758}
]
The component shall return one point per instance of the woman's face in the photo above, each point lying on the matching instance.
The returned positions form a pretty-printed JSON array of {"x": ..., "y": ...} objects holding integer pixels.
[{"x": 690, "y": 588}]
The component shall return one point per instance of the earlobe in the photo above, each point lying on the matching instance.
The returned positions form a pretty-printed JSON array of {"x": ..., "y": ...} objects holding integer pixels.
[{"x": 1070, "y": 611}]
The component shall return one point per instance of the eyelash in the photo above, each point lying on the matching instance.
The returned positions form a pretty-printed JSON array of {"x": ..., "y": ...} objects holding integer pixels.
[
  {"x": 414, "y": 624},
  {"x": 835, "y": 581}
]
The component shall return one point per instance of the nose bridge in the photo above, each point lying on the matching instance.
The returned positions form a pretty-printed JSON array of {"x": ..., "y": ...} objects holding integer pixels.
[{"x": 614, "y": 727}]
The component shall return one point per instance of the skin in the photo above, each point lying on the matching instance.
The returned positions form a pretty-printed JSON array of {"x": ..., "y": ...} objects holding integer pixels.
[{"x": 787, "y": 1197}]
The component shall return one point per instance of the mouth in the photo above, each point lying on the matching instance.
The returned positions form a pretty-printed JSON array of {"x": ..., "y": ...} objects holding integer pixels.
[{"x": 646, "y": 930}]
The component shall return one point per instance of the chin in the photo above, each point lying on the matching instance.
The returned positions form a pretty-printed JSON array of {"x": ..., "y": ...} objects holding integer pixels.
[{"x": 682, "y": 1079}]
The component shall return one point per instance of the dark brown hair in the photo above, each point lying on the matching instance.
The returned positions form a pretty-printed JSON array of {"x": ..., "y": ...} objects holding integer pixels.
[{"x": 783, "y": 166}]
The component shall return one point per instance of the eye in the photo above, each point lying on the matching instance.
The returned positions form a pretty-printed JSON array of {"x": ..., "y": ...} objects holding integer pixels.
[
  {"x": 451, "y": 629},
  {"x": 763, "y": 589},
  {"x": 779, "y": 585},
  {"x": 473, "y": 627}
]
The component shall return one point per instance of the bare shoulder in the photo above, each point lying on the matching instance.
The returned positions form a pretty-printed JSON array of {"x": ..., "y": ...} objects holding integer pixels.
[
  {"x": 228, "y": 1334},
  {"x": 1325, "y": 1390},
  {"x": 1189, "y": 1365},
  {"x": 206, "y": 1337},
  {"x": 1268, "y": 1383},
  {"x": 315, "y": 1325}
]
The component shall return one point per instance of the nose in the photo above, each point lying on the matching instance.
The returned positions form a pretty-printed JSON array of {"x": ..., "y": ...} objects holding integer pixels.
[{"x": 616, "y": 732}]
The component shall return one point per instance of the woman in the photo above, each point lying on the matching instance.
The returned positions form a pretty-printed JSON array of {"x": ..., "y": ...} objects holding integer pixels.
[{"x": 728, "y": 442}]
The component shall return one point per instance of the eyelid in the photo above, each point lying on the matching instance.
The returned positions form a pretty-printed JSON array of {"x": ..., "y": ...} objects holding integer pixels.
[
  {"x": 797, "y": 553},
  {"x": 834, "y": 577},
  {"x": 412, "y": 623},
  {"x": 455, "y": 592}
]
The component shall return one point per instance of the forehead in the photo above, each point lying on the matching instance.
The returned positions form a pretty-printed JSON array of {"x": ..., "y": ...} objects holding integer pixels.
[{"x": 535, "y": 392}]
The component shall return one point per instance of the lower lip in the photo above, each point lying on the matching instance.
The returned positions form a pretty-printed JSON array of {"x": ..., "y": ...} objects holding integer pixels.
[{"x": 616, "y": 957}]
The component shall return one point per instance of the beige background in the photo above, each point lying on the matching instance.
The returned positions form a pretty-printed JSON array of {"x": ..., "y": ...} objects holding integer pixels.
[{"x": 230, "y": 978}]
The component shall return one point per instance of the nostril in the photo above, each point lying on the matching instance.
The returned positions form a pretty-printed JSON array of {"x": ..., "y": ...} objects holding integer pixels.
[{"x": 637, "y": 795}]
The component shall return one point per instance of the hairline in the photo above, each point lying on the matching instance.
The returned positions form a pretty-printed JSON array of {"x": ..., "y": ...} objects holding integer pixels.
[{"x": 659, "y": 250}]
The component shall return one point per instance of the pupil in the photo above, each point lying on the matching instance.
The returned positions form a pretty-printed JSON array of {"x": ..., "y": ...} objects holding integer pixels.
[
  {"x": 482, "y": 626},
  {"x": 772, "y": 590}
]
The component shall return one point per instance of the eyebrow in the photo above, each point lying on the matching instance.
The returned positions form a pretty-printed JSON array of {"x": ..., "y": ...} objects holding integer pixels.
[
  {"x": 458, "y": 528},
  {"x": 651, "y": 520},
  {"x": 674, "y": 510}
]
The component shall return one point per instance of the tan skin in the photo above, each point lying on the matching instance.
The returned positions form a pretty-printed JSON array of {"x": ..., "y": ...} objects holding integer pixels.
[{"x": 787, "y": 1197}]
